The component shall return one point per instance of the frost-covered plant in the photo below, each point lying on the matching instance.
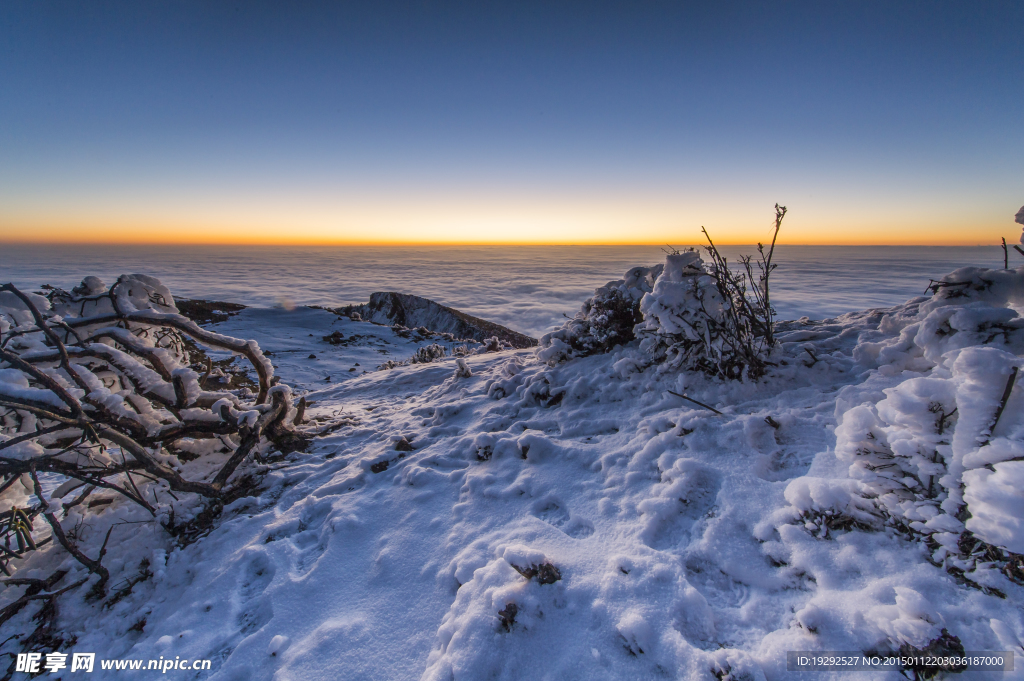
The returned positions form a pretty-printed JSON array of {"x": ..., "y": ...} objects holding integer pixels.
[
  {"x": 98, "y": 389},
  {"x": 462, "y": 369},
  {"x": 691, "y": 322},
  {"x": 506, "y": 380},
  {"x": 700, "y": 317},
  {"x": 901, "y": 449},
  {"x": 941, "y": 456},
  {"x": 688, "y": 313},
  {"x": 493, "y": 344},
  {"x": 606, "y": 319},
  {"x": 427, "y": 354},
  {"x": 423, "y": 355}
]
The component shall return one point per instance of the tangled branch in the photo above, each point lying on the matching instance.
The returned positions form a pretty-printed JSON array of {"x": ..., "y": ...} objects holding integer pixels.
[{"x": 98, "y": 390}]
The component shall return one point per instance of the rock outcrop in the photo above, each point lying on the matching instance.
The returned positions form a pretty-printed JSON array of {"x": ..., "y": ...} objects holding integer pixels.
[{"x": 402, "y": 309}]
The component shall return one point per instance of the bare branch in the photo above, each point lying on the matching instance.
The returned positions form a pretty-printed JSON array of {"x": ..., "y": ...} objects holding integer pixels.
[
  {"x": 65, "y": 362},
  {"x": 30, "y": 436},
  {"x": 43, "y": 378},
  {"x": 93, "y": 566},
  {"x": 255, "y": 356}
]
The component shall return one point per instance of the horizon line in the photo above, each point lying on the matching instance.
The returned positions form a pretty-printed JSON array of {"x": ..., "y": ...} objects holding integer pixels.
[{"x": 449, "y": 244}]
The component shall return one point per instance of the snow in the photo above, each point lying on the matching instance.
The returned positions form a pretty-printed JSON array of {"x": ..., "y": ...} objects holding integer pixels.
[
  {"x": 688, "y": 544},
  {"x": 997, "y": 506}
]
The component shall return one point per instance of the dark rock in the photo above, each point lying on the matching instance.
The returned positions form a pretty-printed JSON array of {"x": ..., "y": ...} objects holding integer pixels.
[
  {"x": 508, "y": 615},
  {"x": 403, "y": 445},
  {"x": 414, "y": 312},
  {"x": 546, "y": 573},
  {"x": 311, "y": 356},
  {"x": 207, "y": 311},
  {"x": 335, "y": 338},
  {"x": 379, "y": 467}
]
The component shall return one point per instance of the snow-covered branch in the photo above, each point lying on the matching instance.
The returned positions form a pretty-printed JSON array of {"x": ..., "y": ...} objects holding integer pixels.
[{"x": 99, "y": 388}]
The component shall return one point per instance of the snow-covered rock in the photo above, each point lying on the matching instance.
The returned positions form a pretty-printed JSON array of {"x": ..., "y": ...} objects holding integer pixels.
[{"x": 413, "y": 312}]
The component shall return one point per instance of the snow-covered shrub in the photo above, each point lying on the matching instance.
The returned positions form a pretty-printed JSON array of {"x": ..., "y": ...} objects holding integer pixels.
[
  {"x": 97, "y": 388},
  {"x": 693, "y": 320},
  {"x": 995, "y": 287},
  {"x": 606, "y": 319},
  {"x": 506, "y": 380},
  {"x": 427, "y": 354},
  {"x": 941, "y": 456},
  {"x": 684, "y": 313},
  {"x": 826, "y": 506},
  {"x": 462, "y": 369},
  {"x": 700, "y": 316},
  {"x": 688, "y": 313},
  {"x": 900, "y": 448},
  {"x": 493, "y": 344},
  {"x": 423, "y": 355}
]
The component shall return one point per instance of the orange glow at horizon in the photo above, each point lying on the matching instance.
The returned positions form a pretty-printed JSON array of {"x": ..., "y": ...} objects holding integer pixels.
[{"x": 480, "y": 222}]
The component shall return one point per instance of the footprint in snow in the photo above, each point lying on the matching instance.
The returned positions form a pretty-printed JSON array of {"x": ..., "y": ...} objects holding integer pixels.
[
  {"x": 669, "y": 516},
  {"x": 310, "y": 536},
  {"x": 256, "y": 576},
  {"x": 255, "y": 612},
  {"x": 552, "y": 510}
]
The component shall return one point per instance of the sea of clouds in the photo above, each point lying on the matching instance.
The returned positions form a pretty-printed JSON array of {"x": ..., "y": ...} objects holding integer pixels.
[{"x": 527, "y": 288}]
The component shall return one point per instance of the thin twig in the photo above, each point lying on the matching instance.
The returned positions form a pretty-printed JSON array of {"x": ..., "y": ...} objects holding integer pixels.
[
  {"x": 699, "y": 404},
  {"x": 29, "y": 436},
  {"x": 34, "y": 587},
  {"x": 92, "y": 565},
  {"x": 1002, "y": 404}
]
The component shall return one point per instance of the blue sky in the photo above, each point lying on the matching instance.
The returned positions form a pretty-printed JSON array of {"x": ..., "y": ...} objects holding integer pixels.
[{"x": 332, "y": 117}]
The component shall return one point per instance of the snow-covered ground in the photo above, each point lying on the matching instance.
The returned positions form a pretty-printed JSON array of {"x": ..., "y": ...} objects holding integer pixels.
[{"x": 686, "y": 544}]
